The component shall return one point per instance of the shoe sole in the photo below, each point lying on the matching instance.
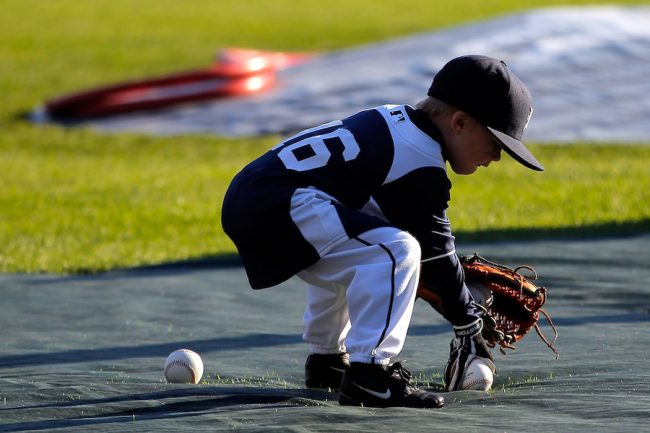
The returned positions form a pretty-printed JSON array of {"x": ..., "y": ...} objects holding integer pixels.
[{"x": 344, "y": 400}]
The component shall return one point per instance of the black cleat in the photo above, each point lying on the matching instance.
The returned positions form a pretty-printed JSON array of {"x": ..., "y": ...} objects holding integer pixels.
[
  {"x": 381, "y": 386},
  {"x": 325, "y": 371}
]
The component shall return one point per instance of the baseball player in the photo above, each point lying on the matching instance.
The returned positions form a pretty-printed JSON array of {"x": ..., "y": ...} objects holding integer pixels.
[{"x": 357, "y": 209}]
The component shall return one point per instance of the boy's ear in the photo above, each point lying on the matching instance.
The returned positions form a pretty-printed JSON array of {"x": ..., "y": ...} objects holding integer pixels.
[{"x": 459, "y": 121}]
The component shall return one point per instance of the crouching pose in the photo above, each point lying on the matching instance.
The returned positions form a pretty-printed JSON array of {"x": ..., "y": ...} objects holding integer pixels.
[{"x": 357, "y": 209}]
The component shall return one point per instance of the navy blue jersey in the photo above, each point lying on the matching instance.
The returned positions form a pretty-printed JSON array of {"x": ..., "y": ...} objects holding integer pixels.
[{"x": 383, "y": 167}]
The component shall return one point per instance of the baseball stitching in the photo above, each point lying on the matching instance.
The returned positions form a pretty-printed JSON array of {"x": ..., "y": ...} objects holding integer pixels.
[
  {"x": 467, "y": 385},
  {"x": 183, "y": 364}
]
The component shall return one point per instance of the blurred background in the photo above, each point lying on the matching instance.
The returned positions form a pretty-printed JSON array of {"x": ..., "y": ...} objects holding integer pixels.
[{"x": 80, "y": 199}]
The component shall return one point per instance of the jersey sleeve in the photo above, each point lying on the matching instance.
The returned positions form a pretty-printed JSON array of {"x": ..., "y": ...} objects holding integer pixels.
[{"x": 417, "y": 203}]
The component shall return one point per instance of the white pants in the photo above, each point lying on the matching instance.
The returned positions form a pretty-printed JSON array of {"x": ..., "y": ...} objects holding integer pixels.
[{"x": 360, "y": 295}]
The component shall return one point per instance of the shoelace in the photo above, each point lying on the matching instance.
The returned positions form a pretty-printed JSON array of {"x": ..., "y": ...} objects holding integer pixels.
[{"x": 398, "y": 370}]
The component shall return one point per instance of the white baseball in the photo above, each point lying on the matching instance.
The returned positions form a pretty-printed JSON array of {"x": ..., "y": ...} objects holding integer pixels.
[
  {"x": 183, "y": 366},
  {"x": 478, "y": 375}
]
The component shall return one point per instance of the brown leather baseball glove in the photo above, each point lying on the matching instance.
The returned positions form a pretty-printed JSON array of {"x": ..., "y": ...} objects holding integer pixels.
[{"x": 510, "y": 301}]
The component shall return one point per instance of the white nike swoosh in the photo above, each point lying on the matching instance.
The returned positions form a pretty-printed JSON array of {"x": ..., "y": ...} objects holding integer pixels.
[
  {"x": 340, "y": 370},
  {"x": 383, "y": 395}
]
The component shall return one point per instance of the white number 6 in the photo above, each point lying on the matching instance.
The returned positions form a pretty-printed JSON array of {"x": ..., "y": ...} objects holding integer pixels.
[{"x": 320, "y": 154}]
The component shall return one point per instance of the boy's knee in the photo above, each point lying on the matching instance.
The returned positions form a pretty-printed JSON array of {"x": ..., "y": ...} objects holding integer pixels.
[{"x": 407, "y": 250}]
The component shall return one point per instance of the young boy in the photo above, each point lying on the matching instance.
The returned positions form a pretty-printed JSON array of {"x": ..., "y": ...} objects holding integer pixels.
[{"x": 357, "y": 209}]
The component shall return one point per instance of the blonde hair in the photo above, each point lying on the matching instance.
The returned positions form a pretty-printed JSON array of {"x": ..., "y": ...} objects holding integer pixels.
[{"x": 435, "y": 107}]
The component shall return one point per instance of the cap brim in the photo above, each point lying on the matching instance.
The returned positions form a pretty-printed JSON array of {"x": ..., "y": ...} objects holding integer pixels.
[{"x": 517, "y": 150}]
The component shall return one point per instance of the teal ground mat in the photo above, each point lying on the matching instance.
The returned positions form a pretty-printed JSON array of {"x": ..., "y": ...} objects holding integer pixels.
[{"x": 86, "y": 353}]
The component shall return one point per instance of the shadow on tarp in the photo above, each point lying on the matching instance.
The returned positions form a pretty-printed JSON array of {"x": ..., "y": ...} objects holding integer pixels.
[
  {"x": 175, "y": 403},
  {"x": 229, "y": 394},
  {"x": 589, "y": 231},
  {"x": 251, "y": 341},
  {"x": 593, "y": 231}
]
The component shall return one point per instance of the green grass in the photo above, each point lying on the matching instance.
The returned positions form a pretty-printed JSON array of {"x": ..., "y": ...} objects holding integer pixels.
[
  {"x": 587, "y": 189},
  {"x": 74, "y": 200},
  {"x": 81, "y": 201}
]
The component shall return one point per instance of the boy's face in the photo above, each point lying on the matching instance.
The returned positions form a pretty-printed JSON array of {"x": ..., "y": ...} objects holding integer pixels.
[{"x": 471, "y": 145}]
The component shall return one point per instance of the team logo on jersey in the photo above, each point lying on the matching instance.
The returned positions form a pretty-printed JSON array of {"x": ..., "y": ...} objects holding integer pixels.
[{"x": 397, "y": 116}]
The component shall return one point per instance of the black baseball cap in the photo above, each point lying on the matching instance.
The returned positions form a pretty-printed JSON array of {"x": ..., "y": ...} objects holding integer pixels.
[{"x": 486, "y": 89}]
